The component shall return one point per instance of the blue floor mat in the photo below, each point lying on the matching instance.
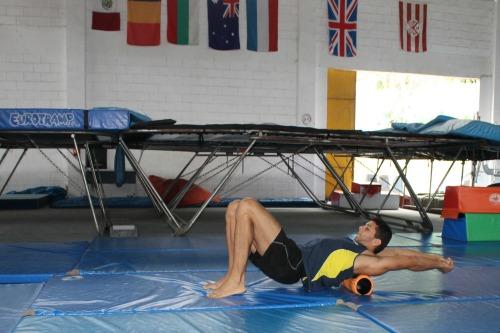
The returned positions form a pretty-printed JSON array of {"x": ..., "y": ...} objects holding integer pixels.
[
  {"x": 332, "y": 319},
  {"x": 183, "y": 291},
  {"x": 36, "y": 262},
  {"x": 129, "y": 293},
  {"x": 14, "y": 300},
  {"x": 456, "y": 317}
]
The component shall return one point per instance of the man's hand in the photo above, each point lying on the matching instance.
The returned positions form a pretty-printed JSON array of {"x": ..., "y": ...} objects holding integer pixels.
[{"x": 446, "y": 265}]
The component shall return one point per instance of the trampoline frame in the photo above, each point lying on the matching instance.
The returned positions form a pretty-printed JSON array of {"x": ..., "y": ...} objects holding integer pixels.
[{"x": 246, "y": 140}]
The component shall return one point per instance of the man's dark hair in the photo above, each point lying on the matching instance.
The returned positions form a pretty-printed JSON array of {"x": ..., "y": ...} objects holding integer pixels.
[{"x": 384, "y": 233}]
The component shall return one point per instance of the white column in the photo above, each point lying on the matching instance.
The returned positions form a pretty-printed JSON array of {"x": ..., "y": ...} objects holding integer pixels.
[
  {"x": 76, "y": 26},
  {"x": 306, "y": 66},
  {"x": 495, "y": 59}
]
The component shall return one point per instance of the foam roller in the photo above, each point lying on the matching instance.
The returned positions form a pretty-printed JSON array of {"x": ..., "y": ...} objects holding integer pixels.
[{"x": 359, "y": 285}]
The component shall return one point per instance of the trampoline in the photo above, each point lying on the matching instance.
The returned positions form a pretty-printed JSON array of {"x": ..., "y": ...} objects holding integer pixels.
[{"x": 125, "y": 130}]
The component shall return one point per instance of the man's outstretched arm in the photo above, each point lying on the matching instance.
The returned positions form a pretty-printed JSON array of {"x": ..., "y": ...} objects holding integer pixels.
[{"x": 415, "y": 261}]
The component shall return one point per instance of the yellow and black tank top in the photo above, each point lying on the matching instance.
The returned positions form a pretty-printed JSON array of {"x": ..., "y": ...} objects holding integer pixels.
[{"x": 328, "y": 262}]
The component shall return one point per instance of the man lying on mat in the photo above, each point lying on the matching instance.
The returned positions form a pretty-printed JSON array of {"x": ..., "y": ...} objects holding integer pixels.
[{"x": 252, "y": 233}]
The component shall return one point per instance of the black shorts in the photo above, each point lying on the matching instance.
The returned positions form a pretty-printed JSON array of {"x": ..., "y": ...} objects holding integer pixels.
[{"x": 282, "y": 260}]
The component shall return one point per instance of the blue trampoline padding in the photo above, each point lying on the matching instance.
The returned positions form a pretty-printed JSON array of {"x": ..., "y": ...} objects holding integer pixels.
[
  {"x": 114, "y": 118},
  {"x": 54, "y": 192},
  {"x": 322, "y": 319},
  {"x": 128, "y": 293},
  {"x": 481, "y": 316},
  {"x": 14, "y": 300},
  {"x": 34, "y": 262},
  {"x": 42, "y": 119},
  {"x": 445, "y": 125}
]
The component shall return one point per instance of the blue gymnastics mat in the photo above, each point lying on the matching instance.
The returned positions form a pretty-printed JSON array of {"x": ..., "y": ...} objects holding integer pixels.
[
  {"x": 36, "y": 262},
  {"x": 98, "y": 294},
  {"x": 334, "y": 319},
  {"x": 15, "y": 299},
  {"x": 156, "y": 285},
  {"x": 165, "y": 254},
  {"x": 456, "y": 317}
]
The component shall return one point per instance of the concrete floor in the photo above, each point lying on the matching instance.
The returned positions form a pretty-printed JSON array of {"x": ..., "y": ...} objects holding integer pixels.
[{"x": 64, "y": 225}]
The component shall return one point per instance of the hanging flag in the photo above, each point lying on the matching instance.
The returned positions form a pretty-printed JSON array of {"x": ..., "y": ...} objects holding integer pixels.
[
  {"x": 143, "y": 27},
  {"x": 105, "y": 16},
  {"x": 413, "y": 26},
  {"x": 182, "y": 26},
  {"x": 262, "y": 25},
  {"x": 342, "y": 26},
  {"x": 223, "y": 24}
]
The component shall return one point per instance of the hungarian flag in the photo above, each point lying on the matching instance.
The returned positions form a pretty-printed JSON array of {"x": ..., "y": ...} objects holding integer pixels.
[
  {"x": 105, "y": 16},
  {"x": 413, "y": 26},
  {"x": 262, "y": 25},
  {"x": 342, "y": 27},
  {"x": 182, "y": 26},
  {"x": 143, "y": 27},
  {"x": 223, "y": 24}
]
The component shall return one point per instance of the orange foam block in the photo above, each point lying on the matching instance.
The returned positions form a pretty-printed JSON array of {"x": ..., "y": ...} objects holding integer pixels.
[{"x": 466, "y": 199}]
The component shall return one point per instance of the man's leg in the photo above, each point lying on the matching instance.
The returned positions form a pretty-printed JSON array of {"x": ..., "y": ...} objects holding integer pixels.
[
  {"x": 230, "y": 227},
  {"x": 255, "y": 230}
]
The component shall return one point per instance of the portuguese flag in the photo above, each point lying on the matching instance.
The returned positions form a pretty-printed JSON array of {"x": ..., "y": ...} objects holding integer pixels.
[
  {"x": 182, "y": 26},
  {"x": 143, "y": 27}
]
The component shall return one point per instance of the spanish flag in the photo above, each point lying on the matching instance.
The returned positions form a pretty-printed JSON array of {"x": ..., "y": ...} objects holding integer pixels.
[{"x": 143, "y": 27}]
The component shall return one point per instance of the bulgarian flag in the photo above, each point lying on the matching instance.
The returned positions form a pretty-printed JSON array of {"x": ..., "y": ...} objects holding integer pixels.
[
  {"x": 262, "y": 25},
  {"x": 143, "y": 27},
  {"x": 105, "y": 16},
  {"x": 182, "y": 26}
]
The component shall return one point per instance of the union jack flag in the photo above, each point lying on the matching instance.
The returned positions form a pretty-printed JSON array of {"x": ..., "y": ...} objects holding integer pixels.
[
  {"x": 232, "y": 8},
  {"x": 342, "y": 26}
]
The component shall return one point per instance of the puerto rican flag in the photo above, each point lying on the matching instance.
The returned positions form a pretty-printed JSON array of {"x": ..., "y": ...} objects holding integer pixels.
[
  {"x": 342, "y": 27},
  {"x": 413, "y": 26}
]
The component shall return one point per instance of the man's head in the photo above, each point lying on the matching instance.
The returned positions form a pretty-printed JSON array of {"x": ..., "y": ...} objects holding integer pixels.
[{"x": 374, "y": 235}]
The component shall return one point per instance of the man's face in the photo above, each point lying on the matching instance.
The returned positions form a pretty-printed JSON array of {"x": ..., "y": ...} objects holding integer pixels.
[{"x": 366, "y": 233}]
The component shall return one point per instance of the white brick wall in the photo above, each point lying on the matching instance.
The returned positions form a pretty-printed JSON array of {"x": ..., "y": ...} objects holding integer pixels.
[{"x": 54, "y": 59}]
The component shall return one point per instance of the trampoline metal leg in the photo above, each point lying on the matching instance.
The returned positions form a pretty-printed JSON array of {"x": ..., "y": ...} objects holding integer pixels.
[
  {"x": 392, "y": 188},
  {"x": 146, "y": 183},
  {"x": 4, "y": 155},
  {"x": 426, "y": 222},
  {"x": 13, "y": 170},
  {"x": 306, "y": 188},
  {"x": 179, "y": 175},
  {"x": 372, "y": 180},
  {"x": 441, "y": 183},
  {"x": 98, "y": 186},
  {"x": 186, "y": 228},
  {"x": 82, "y": 170},
  {"x": 354, "y": 204},
  {"x": 189, "y": 184}
]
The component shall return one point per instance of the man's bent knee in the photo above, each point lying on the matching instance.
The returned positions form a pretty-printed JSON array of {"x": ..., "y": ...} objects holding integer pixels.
[{"x": 248, "y": 206}]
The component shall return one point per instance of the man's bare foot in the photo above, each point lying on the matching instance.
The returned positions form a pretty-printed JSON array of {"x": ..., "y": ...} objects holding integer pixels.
[
  {"x": 447, "y": 265},
  {"x": 215, "y": 285},
  {"x": 229, "y": 288}
]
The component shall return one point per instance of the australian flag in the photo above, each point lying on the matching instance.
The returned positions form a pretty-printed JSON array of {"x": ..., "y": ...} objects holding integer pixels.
[
  {"x": 223, "y": 24},
  {"x": 342, "y": 25}
]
